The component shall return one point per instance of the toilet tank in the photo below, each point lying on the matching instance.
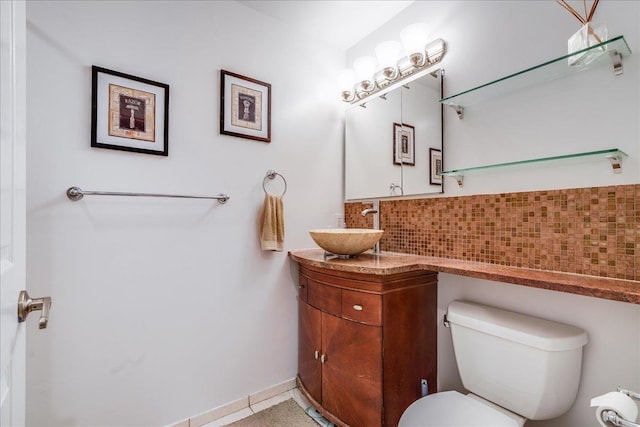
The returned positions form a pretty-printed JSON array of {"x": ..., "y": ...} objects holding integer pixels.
[{"x": 528, "y": 365}]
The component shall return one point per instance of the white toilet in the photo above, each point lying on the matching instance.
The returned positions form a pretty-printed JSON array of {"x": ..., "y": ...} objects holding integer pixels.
[{"x": 516, "y": 367}]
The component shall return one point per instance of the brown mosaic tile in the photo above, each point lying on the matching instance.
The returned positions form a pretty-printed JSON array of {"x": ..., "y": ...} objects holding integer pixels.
[{"x": 588, "y": 231}]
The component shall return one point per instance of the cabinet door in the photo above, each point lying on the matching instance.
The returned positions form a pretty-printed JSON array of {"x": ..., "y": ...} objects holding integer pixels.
[
  {"x": 309, "y": 347},
  {"x": 352, "y": 371}
]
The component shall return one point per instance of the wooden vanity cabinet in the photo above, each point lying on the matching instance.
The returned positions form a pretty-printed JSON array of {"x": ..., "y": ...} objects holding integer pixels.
[{"x": 365, "y": 343}]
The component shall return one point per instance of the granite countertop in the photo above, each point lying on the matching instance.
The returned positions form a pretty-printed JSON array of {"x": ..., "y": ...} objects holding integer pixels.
[{"x": 390, "y": 263}]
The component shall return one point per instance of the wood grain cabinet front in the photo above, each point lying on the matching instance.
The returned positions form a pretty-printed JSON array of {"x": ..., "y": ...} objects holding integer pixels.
[{"x": 365, "y": 343}]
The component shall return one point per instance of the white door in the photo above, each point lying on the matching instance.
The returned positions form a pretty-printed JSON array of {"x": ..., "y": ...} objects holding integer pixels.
[{"x": 12, "y": 209}]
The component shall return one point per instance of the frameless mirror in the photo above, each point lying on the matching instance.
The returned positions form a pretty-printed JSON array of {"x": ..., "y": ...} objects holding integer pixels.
[
  {"x": 370, "y": 167},
  {"x": 393, "y": 143}
]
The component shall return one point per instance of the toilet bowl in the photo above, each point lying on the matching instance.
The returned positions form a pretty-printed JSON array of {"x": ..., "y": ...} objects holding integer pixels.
[
  {"x": 516, "y": 367},
  {"x": 454, "y": 409}
]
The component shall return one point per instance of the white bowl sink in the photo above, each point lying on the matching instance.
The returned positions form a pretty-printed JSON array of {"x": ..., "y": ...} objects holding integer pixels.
[{"x": 346, "y": 241}]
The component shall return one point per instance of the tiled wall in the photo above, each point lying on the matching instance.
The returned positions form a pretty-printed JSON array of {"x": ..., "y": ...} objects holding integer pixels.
[{"x": 591, "y": 231}]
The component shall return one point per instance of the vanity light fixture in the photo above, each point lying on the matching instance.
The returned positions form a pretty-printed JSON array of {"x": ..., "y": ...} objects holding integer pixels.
[
  {"x": 388, "y": 54},
  {"x": 345, "y": 83},
  {"x": 364, "y": 68},
  {"x": 393, "y": 63},
  {"x": 414, "y": 38}
]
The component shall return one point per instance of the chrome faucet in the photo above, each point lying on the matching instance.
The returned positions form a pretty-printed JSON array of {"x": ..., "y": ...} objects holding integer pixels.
[
  {"x": 375, "y": 210},
  {"x": 368, "y": 211}
]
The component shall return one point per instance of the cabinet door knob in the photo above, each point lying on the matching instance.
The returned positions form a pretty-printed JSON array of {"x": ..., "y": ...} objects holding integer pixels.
[
  {"x": 316, "y": 354},
  {"x": 358, "y": 307},
  {"x": 323, "y": 358}
]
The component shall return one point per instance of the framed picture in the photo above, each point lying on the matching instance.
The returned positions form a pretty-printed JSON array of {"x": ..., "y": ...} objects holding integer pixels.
[
  {"x": 435, "y": 166},
  {"x": 404, "y": 144},
  {"x": 245, "y": 107},
  {"x": 129, "y": 113}
]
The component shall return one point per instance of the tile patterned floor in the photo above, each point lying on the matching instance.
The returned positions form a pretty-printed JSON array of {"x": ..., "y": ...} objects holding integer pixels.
[{"x": 259, "y": 406}]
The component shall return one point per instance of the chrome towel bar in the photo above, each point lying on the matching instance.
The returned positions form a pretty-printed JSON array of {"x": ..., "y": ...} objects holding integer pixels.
[{"x": 75, "y": 194}]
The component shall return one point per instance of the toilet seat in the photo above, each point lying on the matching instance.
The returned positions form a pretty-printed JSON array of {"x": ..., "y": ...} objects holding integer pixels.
[{"x": 453, "y": 409}]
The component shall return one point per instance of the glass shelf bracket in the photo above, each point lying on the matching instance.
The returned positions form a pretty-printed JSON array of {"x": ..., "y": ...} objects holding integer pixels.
[
  {"x": 614, "y": 155},
  {"x": 611, "y": 50}
]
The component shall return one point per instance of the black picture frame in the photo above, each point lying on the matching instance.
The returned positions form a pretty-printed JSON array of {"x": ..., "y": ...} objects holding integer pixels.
[
  {"x": 245, "y": 107},
  {"x": 129, "y": 113},
  {"x": 435, "y": 166},
  {"x": 404, "y": 144}
]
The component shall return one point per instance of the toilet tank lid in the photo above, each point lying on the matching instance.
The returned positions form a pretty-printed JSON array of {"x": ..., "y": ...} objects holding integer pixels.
[{"x": 531, "y": 331}]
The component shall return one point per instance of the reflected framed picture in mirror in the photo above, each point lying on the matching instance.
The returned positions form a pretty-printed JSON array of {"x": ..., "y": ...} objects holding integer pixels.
[
  {"x": 404, "y": 144},
  {"x": 435, "y": 166}
]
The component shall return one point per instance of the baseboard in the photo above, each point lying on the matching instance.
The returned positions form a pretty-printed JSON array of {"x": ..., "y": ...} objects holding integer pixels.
[
  {"x": 272, "y": 391},
  {"x": 235, "y": 406}
]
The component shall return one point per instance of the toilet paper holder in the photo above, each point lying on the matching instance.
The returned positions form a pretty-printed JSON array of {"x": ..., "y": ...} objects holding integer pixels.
[
  {"x": 615, "y": 419},
  {"x": 631, "y": 394}
]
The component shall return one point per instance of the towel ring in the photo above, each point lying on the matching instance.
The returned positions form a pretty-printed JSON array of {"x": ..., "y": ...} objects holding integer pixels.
[{"x": 271, "y": 174}]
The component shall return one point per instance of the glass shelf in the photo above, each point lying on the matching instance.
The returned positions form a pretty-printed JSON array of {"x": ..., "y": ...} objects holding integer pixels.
[
  {"x": 612, "y": 50},
  {"x": 613, "y": 155}
]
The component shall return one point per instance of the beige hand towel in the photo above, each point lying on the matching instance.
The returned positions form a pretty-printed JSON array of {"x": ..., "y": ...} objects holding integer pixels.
[{"x": 272, "y": 224}]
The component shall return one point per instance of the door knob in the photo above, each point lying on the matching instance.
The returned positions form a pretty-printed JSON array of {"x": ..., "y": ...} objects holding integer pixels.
[{"x": 26, "y": 305}]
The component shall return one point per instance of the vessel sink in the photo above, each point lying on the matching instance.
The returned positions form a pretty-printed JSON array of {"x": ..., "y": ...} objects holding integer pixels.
[{"x": 346, "y": 241}]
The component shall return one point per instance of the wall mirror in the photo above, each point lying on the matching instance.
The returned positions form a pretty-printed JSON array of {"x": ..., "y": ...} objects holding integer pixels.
[{"x": 393, "y": 143}]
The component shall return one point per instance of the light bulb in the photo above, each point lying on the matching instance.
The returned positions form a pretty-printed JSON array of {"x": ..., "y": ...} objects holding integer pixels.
[
  {"x": 365, "y": 67},
  {"x": 346, "y": 81},
  {"x": 388, "y": 53},
  {"x": 414, "y": 38}
]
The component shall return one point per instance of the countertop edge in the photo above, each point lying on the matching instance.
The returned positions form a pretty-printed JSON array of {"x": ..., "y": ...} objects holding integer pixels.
[{"x": 391, "y": 263}]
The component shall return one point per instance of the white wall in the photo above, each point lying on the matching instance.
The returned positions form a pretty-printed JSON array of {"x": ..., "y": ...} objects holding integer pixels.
[
  {"x": 165, "y": 308},
  {"x": 594, "y": 110}
]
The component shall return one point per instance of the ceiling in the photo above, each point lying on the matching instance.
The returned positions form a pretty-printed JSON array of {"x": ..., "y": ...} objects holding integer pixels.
[{"x": 339, "y": 23}]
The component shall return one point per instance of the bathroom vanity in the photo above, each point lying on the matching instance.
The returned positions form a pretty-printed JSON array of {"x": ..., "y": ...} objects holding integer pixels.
[
  {"x": 367, "y": 326},
  {"x": 366, "y": 342}
]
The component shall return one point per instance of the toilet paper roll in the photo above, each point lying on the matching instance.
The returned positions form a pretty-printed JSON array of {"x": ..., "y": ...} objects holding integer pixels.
[{"x": 618, "y": 402}]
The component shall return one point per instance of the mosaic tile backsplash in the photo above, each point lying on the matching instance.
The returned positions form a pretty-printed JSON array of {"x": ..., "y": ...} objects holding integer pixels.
[{"x": 590, "y": 231}]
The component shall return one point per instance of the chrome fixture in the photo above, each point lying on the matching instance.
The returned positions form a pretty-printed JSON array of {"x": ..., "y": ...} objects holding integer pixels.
[
  {"x": 26, "y": 305},
  {"x": 375, "y": 211},
  {"x": 271, "y": 174},
  {"x": 393, "y": 187},
  {"x": 424, "y": 387},
  {"x": 75, "y": 194},
  {"x": 393, "y": 63},
  {"x": 611, "y": 417},
  {"x": 414, "y": 38},
  {"x": 368, "y": 211},
  {"x": 631, "y": 394}
]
